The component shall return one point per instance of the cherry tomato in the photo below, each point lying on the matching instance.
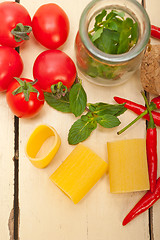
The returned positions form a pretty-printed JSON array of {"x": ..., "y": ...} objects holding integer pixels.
[
  {"x": 11, "y": 65},
  {"x": 53, "y": 66},
  {"x": 19, "y": 104},
  {"x": 11, "y": 14},
  {"x": 50, "y": 25}
]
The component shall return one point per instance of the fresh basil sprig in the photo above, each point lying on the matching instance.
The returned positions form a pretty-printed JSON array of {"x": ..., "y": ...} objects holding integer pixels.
[
  {"x": 113, "y": 33},
  {"x": 99, "y": 113},
  {"x": 75, "y": 101}
]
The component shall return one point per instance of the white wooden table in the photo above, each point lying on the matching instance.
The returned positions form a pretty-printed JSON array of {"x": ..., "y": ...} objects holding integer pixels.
[{"x": 31, "y": 206}]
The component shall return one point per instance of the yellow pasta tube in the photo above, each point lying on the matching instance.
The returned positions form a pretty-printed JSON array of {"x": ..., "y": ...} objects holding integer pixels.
[
  {"x": 128, "y": 169},
  {"x": 35, "y": 142},
  {"x": 79, "y": 172}
]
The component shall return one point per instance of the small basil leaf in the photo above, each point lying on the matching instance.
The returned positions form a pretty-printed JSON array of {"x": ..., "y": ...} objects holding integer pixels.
[
  {"x": 92, "y": 107},
  {"x": 90, "y": 116},
  {"x": 134, "y": 33},
  {"x": 120, "y": 14},
  {"x": 108, "y": 121},
  {"x": 113, "y": 26},
  {"x": 123, "y": 45},
  {"x": 97, "y": 34},
  {"x": 111, "y": 16},
  {"x": 80, "y": 131},
  {"x": 99, "y": 18},
  {"x": 128, "y": 23},
  {"x": 77, "y": 99},
  {"x": 61, "y": 104}
]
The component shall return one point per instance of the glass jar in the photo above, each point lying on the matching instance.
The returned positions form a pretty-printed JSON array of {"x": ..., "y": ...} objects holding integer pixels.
[{"x": 110, "y": 69}]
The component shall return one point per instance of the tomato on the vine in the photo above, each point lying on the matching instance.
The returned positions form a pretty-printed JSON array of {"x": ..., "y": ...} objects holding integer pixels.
[
  {"x": 14, "y": 18},
  {"x": 50, "y": 25},
  {"x": 24, "y": 97},
  {"x": 11, "y": 65},
  {"x": 53, "y": 66}
]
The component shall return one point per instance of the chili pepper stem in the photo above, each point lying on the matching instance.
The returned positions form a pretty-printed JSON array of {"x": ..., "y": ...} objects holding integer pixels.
[
  {"x": 151, "y": 121},
  {"x": 134, "y": 121},
  {"x": 152, "y": 107}
]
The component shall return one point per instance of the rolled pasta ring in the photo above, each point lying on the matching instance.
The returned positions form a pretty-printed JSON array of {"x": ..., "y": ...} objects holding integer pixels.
[{"x": 35, "y": 142}]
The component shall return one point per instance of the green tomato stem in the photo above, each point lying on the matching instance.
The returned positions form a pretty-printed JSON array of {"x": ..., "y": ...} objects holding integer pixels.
[{"x": 20, "y": 32}]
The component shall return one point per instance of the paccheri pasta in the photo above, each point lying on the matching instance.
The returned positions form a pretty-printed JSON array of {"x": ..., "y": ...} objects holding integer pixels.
[
  {"x": 128, "y": 170},
  {"x": 79, "y": 172}
]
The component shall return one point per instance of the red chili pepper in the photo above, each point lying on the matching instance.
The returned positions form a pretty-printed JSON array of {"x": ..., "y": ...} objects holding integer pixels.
[
  {"x": 155, "y": 32},
  {"x": 139, "y": 109},
  {"x": 145, "y": 203},
  {"x": 151, "y": 147},
  {"x": 156, "y": 100}
]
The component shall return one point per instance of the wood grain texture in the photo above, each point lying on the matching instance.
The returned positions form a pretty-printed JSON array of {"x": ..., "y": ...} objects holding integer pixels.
[{"x": 6, "y": 169}]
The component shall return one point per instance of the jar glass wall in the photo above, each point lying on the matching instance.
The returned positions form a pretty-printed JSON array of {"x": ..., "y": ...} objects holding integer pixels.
[{"x": 110, "y": 69}]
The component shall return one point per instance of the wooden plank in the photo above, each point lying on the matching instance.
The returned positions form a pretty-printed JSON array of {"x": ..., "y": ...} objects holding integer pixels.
[
  {"x": 6, "y": 169},
  {"x": 153, "y": 11},
  {"x": 46, "y": 212}
]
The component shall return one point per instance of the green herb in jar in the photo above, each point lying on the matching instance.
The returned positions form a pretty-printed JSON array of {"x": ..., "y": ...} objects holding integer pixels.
[{"x": 113, "y": 33}]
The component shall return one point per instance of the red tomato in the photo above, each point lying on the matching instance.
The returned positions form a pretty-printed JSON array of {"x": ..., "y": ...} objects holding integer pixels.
[
  {"x": 53, "y": 66},
  {"x": 17, "y": 103},
  {"x": 12, "y": 13},
  {"x": 50, "y": 25},
  {"x": 11, "y": 65}
]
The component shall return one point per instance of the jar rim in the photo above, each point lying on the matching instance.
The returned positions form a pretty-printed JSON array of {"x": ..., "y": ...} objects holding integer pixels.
[{"x": 114, "y": 58}]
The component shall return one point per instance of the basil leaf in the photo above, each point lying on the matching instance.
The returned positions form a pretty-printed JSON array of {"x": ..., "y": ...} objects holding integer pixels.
[
  {"x": 121, "y": 111},
  {"x": 112, "y": 34},
  {"x": 108, "y": 121},
  {"x": 120, "y": 14},
  {"x": 134, "y": 33},
  {"x": 92, "y": 107},
  {"x": 104, "y": 108},
  {"x": 99, "y": 18},
  {"x": 97, "y": 34},
  {"x": 77, "y": 99},
  {"x": 108, "y": 41},
  {"x": 111, "y": 15},
  {"x": 96, "y": 106},
  {"x": 61, "y": 104},
  {"x": 124, "y": 40},
  {"x": 113, "y": 26},
  {"x": 80, "y": 131}
]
